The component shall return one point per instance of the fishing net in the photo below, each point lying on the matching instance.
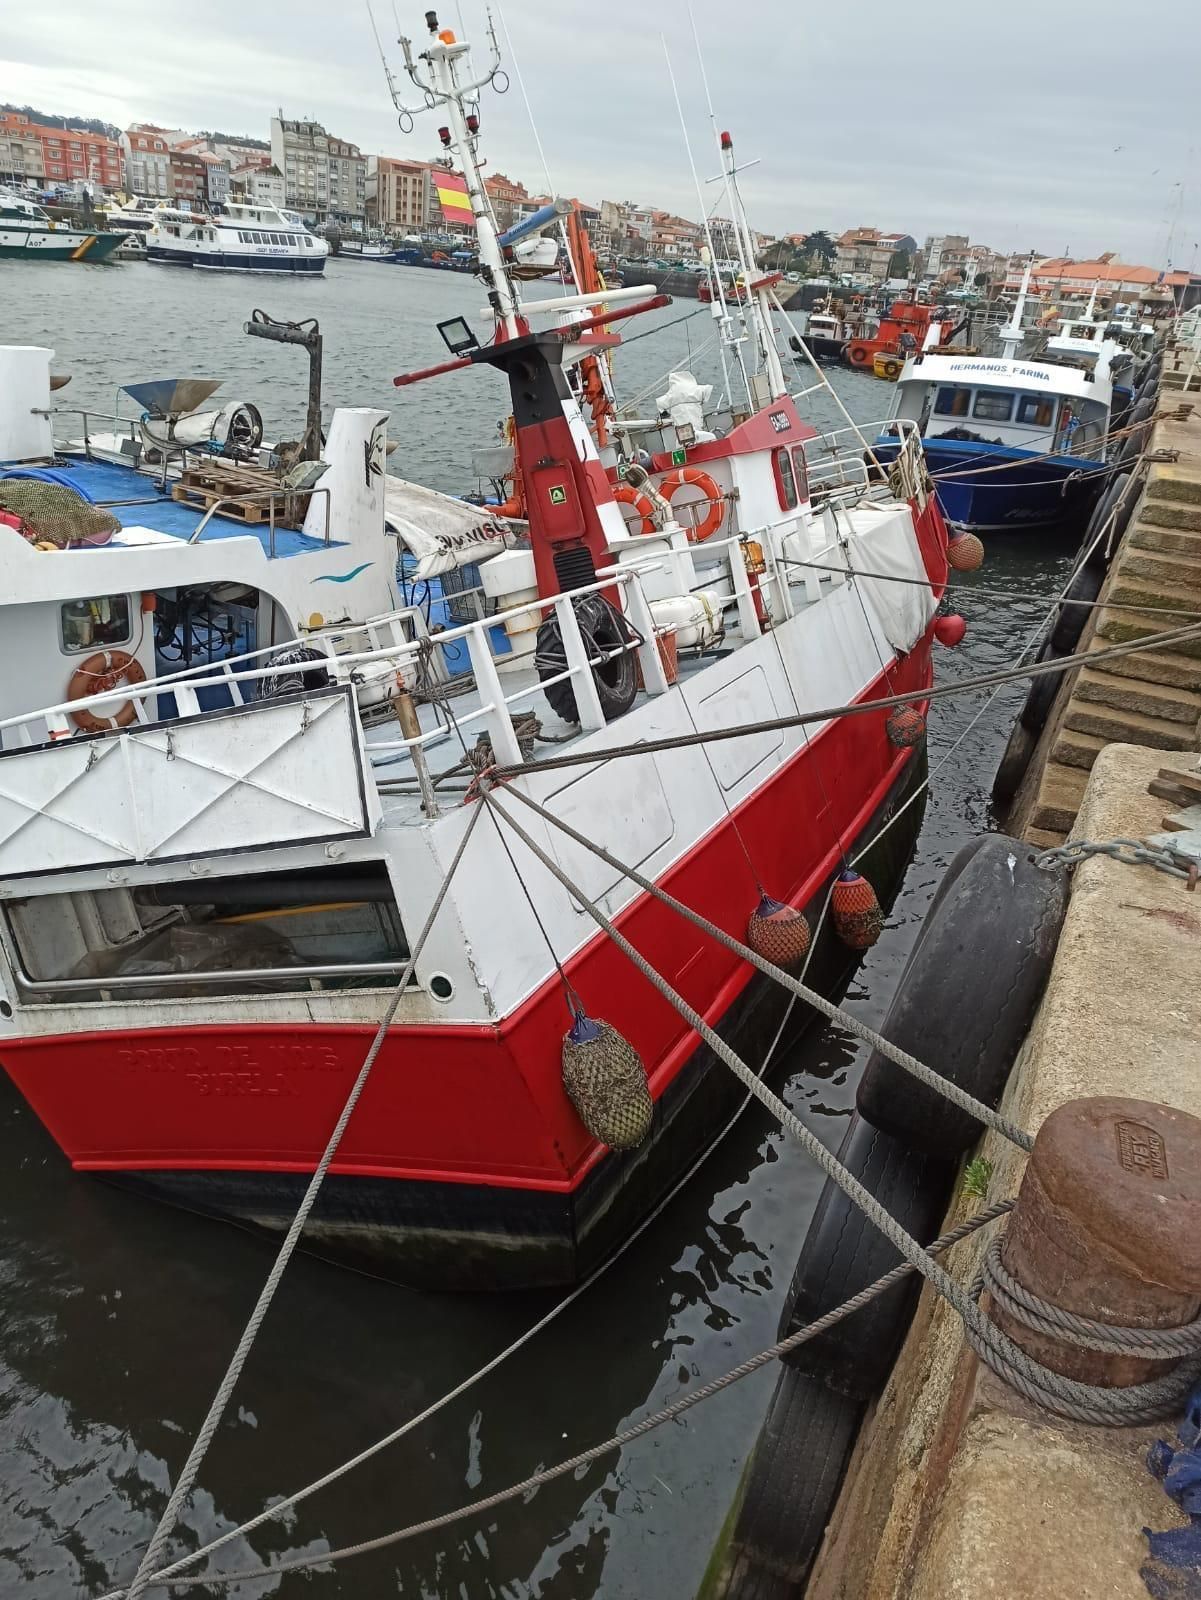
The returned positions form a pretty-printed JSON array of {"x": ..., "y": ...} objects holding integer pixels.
[{"x": 52, "y": 514}]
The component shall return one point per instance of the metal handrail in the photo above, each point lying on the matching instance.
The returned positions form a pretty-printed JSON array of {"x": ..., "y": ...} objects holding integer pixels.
[{"x": 258, "y": 494}]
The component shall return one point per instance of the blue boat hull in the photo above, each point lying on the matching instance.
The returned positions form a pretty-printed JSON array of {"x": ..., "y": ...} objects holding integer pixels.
[
  {"x": 991, "y": 489},
  {"x": 228, "y": 261}
]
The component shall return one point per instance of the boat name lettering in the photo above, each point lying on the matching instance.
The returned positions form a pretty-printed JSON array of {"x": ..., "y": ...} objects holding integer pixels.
[
  {"x": 228, "y": 1084},
  {"x": 780, "y": 421},
  {"x": 236, "y": 1060},
  {"x": 1002, "y": 368}
]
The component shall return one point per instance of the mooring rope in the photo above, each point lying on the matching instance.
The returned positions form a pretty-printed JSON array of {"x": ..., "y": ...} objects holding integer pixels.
[{"x": 187, "y": 1475}]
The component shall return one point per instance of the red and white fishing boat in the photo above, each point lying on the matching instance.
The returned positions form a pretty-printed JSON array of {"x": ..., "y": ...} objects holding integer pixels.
[{"x": 211, "y": 876}]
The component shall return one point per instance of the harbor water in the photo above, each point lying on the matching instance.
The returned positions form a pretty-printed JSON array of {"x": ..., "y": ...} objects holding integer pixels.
[{"x": 117, "y": 1317}]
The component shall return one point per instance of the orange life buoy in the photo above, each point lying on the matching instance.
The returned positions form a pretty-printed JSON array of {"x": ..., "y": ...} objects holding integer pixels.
[
  {"x": 677, "y": 478},
  {"x": 625, "y": 495},
  {"x": 857, "y": 354},
  {"x": 99, "y": 673}
]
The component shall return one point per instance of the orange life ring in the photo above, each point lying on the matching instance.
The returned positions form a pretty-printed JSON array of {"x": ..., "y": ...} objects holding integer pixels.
[
  {"x": 99, "y": 673},
  {"x": 858, "y": 355},
  {"x": 625, "y": 495},
  {"x": 677, "y": 478}
]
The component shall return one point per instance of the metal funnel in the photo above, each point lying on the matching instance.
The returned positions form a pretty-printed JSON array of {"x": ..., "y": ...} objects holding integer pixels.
[{"x": 171, "y": 397}]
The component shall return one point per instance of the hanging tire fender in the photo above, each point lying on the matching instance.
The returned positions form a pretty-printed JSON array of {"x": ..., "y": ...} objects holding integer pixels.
[
  {"x": 1117, "y": 502},
  {"x": 1070, "y": 623},
  {"x": 967, "y": 996}
]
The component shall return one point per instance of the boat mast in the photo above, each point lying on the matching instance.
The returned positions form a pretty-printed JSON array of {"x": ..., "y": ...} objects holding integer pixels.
[
  {"x": 1012, "y": 335},
  {"x": 441, "y": 82},
  {"x": 758, "y": 302}
]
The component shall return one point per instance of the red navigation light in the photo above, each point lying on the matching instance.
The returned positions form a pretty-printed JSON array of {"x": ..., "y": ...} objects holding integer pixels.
[
  {"x": 473, "y": 124},
  {"x": 726, "y": 142},
  {"x": 444, "y": 135}
]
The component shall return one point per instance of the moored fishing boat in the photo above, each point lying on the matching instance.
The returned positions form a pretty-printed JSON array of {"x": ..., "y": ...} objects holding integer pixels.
[
  {"x": 198, "y": 939},
  {"x": 27, "y": 233},
  {"x": 1015, "y": 444}
]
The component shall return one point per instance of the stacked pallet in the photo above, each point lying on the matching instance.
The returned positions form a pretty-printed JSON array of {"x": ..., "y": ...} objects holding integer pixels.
[{"x": 244, "y": 491}]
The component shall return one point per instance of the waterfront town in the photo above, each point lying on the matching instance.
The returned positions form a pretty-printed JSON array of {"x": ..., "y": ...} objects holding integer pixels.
[{"x": 344, "y": 192}]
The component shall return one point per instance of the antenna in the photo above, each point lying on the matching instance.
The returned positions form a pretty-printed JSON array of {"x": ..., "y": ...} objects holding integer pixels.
[{"x": 727, "y": 325}]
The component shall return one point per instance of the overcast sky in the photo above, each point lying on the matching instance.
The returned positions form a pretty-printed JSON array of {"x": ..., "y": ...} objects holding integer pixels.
[{"x": 1029, "y": 126}]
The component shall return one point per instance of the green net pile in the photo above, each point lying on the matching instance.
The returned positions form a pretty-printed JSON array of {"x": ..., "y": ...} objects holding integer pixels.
[{"x": 52, "y": 514}]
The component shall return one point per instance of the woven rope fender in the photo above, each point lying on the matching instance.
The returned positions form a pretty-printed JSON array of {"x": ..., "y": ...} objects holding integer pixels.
[
  {"x": 965, "y": 553},
  {"x": 858, "y": 919},
  {"x": 778, "y": 933},
  {"x": 606, "y": 1083},
  {"x": 906, "y": 727}
]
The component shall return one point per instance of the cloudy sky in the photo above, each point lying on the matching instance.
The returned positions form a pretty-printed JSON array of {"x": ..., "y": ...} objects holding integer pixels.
[{"x": 1032, "y": 126}]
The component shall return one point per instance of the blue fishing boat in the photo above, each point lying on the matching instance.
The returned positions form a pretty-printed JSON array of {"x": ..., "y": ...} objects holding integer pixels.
[{"x": 1015, "y": 444}]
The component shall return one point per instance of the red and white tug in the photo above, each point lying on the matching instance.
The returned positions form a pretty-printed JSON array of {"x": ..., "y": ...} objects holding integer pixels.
[{"x": 204, "y": 906}]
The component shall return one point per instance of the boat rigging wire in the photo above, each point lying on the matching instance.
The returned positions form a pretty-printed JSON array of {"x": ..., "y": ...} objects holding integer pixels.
[{"x": 187, "y": 1475}]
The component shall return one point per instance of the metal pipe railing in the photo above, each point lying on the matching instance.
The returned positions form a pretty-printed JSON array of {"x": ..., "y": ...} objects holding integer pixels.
[{"x": 272, "y": 496}]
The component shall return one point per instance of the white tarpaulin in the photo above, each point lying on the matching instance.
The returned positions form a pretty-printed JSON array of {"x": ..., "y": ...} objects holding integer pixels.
[
  {"x": 888, "y": 545},
  {"x": 442, "y": 533}
]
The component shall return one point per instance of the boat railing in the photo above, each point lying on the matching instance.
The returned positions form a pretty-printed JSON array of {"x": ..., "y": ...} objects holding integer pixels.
[
  {"x": 844, "y": 460},
  {"x": 239, "y": 674},
  {"x": 273, "y": 497},
  {"x": 111, "y": 420}
]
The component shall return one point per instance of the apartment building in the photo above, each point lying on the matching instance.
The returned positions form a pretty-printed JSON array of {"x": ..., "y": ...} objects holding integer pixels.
[
  {"x": 146, "y": 153},
  {"x": 21, "y": 155},
  {"x": 68, "y": 154},
  {"x": 189, "y": 178},
  {"x": 398, "y": 194},
  {"x": 324, "y": 177}
]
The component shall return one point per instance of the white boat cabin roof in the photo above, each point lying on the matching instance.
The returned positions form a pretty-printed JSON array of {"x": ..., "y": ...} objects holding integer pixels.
[{"x": 984, "y": 372}]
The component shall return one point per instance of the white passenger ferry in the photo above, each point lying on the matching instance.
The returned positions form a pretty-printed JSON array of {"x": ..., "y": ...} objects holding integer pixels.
[{"x": 242, "y": 238}]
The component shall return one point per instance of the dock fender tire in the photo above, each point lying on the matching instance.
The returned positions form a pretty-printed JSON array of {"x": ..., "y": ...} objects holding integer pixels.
[
  {"x": 1014, "y": 763},
  {"x": 1041, "y": 695},
  {"x": 1117, "y": 502},
  {"x": 843, "y": 1253},
  {"x": 297, "y": 675},
  {"x": 603, "y": 629},
  {"x": 1070, "y": 623},
  {"x": 967, "y": 996},
  {"x": 793, "y": 1480}
]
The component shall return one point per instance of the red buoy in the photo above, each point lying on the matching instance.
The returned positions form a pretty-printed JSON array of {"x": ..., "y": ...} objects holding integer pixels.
[
  {"x": 965, "y": 552},
  {"x": 949, "y": 630},
  {"x": 778, "y": 933},
  {"x": 858, "y": 918},
  {"x": 905, "y": 727}
]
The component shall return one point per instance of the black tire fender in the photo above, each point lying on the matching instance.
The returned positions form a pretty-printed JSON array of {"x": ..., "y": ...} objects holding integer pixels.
[
  {"x": 793, "y": 1480},
  {"x": 1041, "y": 695},
  {"x": 1070, "y": 623},
  {"x": 1117, "y": 502},
  {"x": 602, "y": 629},
  {"x": 967, "y": 996},
  {"x": 1014, "y": 763},
  {"x": 843, "y": 1253}
]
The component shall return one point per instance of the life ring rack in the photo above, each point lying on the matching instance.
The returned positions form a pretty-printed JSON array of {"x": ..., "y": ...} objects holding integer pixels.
[
  {"x": 696, "y": 478},
  {"x": 98, "y": 674}
]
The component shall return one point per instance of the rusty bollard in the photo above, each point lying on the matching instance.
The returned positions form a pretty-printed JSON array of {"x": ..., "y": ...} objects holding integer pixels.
[{"x": 1108, "y": 1225}]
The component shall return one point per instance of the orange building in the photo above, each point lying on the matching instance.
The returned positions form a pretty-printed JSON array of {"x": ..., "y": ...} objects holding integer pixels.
[{"x": 68, "y": 153}]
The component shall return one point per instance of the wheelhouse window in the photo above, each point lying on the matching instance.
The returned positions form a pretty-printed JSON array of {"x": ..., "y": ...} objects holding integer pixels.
[
  {"x": 1036, "y": 410},
  {"x": 785, "y": 481},
  {"x": 800, "y": 472},
  {"x": 86, "y": 624},
  {"x": 993, "y": 405},
  {"x": 952, "y": 402}
]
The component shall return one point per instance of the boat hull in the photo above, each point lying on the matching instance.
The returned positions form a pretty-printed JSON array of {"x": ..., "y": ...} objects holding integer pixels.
[
  {"x": 990, "y": 490},
  {"x": 465, "y": 1166},
  {"x": 229, "y": 261},
  {"x": 89, "y": 247}
]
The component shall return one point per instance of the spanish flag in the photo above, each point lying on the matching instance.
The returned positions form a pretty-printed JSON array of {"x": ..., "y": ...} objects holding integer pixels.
[{"x": 452, "y": 196}]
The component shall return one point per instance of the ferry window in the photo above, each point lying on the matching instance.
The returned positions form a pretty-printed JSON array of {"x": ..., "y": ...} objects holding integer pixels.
[
  {"x": 993, "y": 405},
  {"x": 1036, "y": 410},
  {"x": 785, "y": 482},
  {"x": 308, "y": 243},
  {"x": 104, "y": 621},
  {"x": 952, "y": 402}
]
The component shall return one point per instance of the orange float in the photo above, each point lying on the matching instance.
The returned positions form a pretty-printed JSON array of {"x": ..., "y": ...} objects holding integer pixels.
[
  {"x": 642, "y": 504},
  {"x": 697, "y": 479}
]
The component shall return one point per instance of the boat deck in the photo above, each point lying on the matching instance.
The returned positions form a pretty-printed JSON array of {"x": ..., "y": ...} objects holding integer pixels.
[{"x": 138, "y": 502}]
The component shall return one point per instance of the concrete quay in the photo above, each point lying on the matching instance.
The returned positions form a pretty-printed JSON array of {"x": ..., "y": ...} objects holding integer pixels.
[
  {"x": 1152, "y": 698},
  {"x": 958, "y": 1488}
]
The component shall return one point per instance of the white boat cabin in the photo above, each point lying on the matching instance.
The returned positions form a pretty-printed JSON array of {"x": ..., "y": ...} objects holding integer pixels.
[{"x": 1041, "y": 406}]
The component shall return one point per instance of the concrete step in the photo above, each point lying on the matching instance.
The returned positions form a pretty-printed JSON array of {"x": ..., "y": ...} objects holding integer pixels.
[
  {"x": 1129, "y": 727},
  {"x": 1178, "y": 483},
  {"x": 1152, "y": 666},
  {"x": 1130, "y": 590},
  {"x": 1046, "y": 838},
  {"x": 1073, "y": 749},
  {"x": 1060, "y": 796},
  {"x": 1120, "y": 627},
  {"x": 1098, "y": 687},
  {"x": 1162, "y": 526},
  {"x": 1158, "y": 568}
]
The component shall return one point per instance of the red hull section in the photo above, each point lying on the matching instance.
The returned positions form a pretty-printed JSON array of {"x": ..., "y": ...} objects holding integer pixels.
[{"x": 465, "y": 1104}]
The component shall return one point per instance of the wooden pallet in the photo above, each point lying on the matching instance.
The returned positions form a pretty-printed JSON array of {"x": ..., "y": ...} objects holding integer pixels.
[{"x": 244, "y": 491}]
